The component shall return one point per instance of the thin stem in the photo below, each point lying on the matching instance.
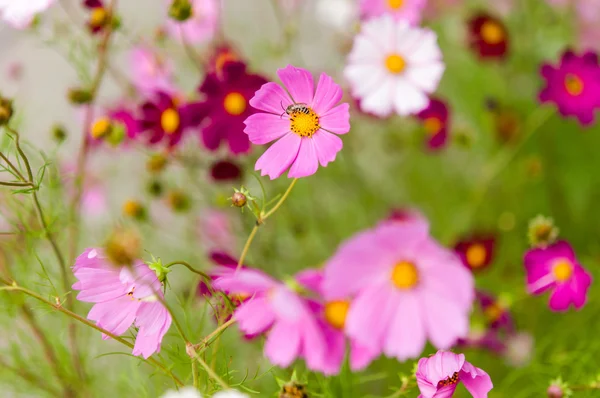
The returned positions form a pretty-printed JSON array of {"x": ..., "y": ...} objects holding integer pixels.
[
  {"x": 247, "y": 246},
  {"x": 14, "y": 287},
  {"x": 13, "y": 167},
  {"x": 31, "y": 378},
  {"x": 195, "y": 373},
  {"x": 283, "y": 198},
  {"x": 211, "y": 373},
  {"x": 188, "y": 266},
  {"x": 16, "y": 184},
  {"x": 203, "y": 345}
]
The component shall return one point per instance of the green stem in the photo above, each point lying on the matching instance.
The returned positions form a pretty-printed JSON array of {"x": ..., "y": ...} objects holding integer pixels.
[
  {"x": 247, "y": 246},
  {"x": 283, "y": 198},
  {"x": 195, "y": 373},
  {"x": 16, "y": 184},
  {"x": 188, "y": 266},
  {"x": 203, "y": 345},
  {"x": 211, "y": 373},
  {"x": 31, "y": 378}
]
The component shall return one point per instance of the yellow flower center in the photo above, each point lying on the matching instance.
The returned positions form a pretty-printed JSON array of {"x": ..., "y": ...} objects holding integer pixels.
[
  {"x": 304, "y": 122},
  {"x": 405, "y": 275},
  {"x": 235, "y": 104},
  {"x": 562, "y": 270},
  {"x": 169, "y": 120},
  {"x": 101, "y": 127},
  {"x": 492, "y": 32},
  {"x": 98, "y": 17},
  {"x": 573, "y": 84},
  {"x": 132, "y": 208},
  {"x": 432, "y": 125},
  {"x": 336, "y": 312},
  {"x": 493, "y": 312},
  {"x": 395, "y": 63},
  {"x": 395, "y": 4},
  {"x": 476, "y": 255}
]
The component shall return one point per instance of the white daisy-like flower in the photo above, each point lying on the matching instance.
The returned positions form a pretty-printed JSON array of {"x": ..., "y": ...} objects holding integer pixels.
[
  {"x": 191, "y": 392},
  {"x": 393, "y": 67},
  {"x": 20, "y": 13}
]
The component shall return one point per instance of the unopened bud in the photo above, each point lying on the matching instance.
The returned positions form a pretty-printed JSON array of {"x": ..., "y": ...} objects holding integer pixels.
[
  {"x": 101, "y": 127},
  {"x": 134, "y": 209},
  {"x": 181, "y": 10},
  {"x": 59, "y": 133},
  {"x": 542, "y": 231},
  {"x": 123, "y": 247},
  {"x": 159, "y": 269},
  {"x": 156, "y": 163},
  {"x": 179, "y": 201},
  {"x": 155, "y": 188},
  {"x": 79, "y": 96},
  {"x": 238, "y": 199},
  {"x": 293, "y": 390},
  {"x": 6, "y": 110},
  {"x": 555, "y": 391}
]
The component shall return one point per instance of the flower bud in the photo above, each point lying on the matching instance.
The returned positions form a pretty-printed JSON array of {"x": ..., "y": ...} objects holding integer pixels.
[
  {"x": 239, "y": 199},
  {"x": 116, "y": 134},
  {"x": 181, "y": 10},
  {"x": 293, "y": 390},
  {"x": 156, "y": 163},
  {"x": 542, "y": 231},
  {"x": 555, "y": 391},
  {"x": 101, "y": 128},
  {"x": 59, "y": 134},
  {"x": 159, "y": 269},
  {"x": 78, "y": 96},
  {"x": 6, "y": 110},
  {"x": 155, "y": 188},
  {"x": 123, "y": 247},
  {"x": 179, "y": 201},
  {"x": 134, "y": 209}
]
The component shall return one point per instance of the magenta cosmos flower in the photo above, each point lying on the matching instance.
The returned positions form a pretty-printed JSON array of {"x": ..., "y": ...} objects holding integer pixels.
[
  {"x": 166, "y": 119},
  {"x": 226, "y": 106},
  {"x": 303, "y": 122},
  {"x": 123, "y": 297},
  {"x": 439, "y": 374},
  {"x": 573, "y": 85},
  {"x": 407, "y": 10},
  {"x": 436, "y": 122},
  {"x": 556, "y": 268},
  {"x": 273, "y": 308},
  {"x": 406, "y": 288}
]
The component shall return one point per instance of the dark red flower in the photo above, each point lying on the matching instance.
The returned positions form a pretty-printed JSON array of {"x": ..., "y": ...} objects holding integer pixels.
[
  {"x": 476, "y": 252},
  {"x": 496, "y": 314},
  {"x": 436, "y": 121},
  {"x": 226, "y": 106},
  {"x": 222, "y": 56},
  {"x": 488, "y": 37},
  {"x": 99, "y": 16},
  {"x": 225, "y": 170}
]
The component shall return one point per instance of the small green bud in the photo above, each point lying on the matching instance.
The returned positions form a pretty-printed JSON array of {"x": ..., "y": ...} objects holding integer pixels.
[
  {"x": 6, "y": 110},
  {"x": 135, "y": 210},
  {"x": 156, "y": 163},
  {"x": 116, "y": 134},
  {"x": 179, "y": 201},
  {"x": 123, "y": 247},
  {"x": 181, "y": 10},
  {"x": 59, "y": 133},
  {"x": 542, "y": 231},
  {"x": 156, "y": 188},
  {"x": 239, "y": 199},
  {"x": 159, "y": 269},
  {"x": 79, "y": 96}
]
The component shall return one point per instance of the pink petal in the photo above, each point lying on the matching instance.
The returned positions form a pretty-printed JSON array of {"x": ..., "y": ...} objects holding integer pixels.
[
  {"x": 263, "y": 128},
  {"x": 307, "y": 162},
  {"x": 254, "y": 316},
  {"x": 271, "y": 98},
  {"x": 328, "y": 94},
  {"x": 327, "y": 146},
  {"x": 445, "y": 321},
  {"x": 361, "y": 356},
  {"x": 336, "y": 120},
  {"x": 476, "y": 381},
  {"x": 283, "y": 344},
  {"x": 279, "y": 156},
  {"x": 242, "y": 281},
  {"x": 406, "y": 335},
  {"x": 299, "y": 83}
]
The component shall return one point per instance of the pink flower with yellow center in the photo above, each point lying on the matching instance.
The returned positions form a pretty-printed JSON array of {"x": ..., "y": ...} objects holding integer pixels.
[
  {"x": 200, "y": 27},
  {"x": 304, "y": 122},
  {"x": 406, "y": 289},
  {"x": 556, "y": 268},
  {"x": 122, "y": 297},
  {"x": 573, "y": 85},
  {"x": 439, "y": 375},
  {"x": 406, "y": 10}
]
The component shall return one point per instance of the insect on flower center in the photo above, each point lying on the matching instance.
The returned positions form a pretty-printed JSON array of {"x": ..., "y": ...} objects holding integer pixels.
[
  {"x": 304, "y": 122},
  {"x": 573, "y": 84},
  {"x": 234, "y": 103},
  {"x": 433, "y": 125},
  {"x": 562, "y": 270},
  {"x": 492, "y": 32},
  {"x": 449, "y": 380},
  {"x": 101, "y": 127},
  {"x": 336, "y": 312},
  {"x": 405, "y": 275},
  {"x": 395, "y": 4},
  {"x": 169, "y": 120},
  {"x": 395, "y": 63},
  {"x": 98, "y": 17},
  {"x": 476, "y": 255}
]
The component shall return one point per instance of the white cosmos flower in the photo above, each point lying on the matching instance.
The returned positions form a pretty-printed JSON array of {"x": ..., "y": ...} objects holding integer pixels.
[
  {"x": 191, "y": 392},
  {"x": 393, "y": 67},
  {"x": 20, "y": 13}
]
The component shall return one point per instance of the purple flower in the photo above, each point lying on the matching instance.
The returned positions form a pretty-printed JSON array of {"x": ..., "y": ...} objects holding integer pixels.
[{"x": 435, "y": 118}]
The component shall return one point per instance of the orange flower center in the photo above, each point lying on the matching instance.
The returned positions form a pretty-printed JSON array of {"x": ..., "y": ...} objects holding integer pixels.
[
  {"x": 304, "y": 121},
  {"x": 395, "y": 63},
  {"x": 562, "y": 270},
  {"x": 336, "y": 312},
  {"x": 235, "y": 104},
  {"x": 170, "y": 121},
  {"x": 395, "y": 4},
  {"x": 98, "y": 17},
  {"x": 405, "y": 275},
  {"x": 433, "y": 125},
  {"x": 492, "y": 32},
  {"x": 101, "y": 127},
  {"x": 573, "y": 84},
  {"x": 476, "y": 255}
]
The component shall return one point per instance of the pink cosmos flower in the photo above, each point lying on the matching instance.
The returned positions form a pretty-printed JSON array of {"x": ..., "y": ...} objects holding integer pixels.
[
  {"x": 123, "y": 297},
  {"x": 573, "y": 85},
  {"x": 149, "y": 71},
  {"x": 406, "y": 288},
  {"x": 407, "y": 10},
  {"x": 556, "y": 268},
  {"x": 273, "y": 308},
  {"x": 200, "y": 27},
  {"x": 439, "y": 374},
  {"x": 304, "y": 122},
  {"x": 216, "y": 231},
  {"x": 19, "y": 13}
]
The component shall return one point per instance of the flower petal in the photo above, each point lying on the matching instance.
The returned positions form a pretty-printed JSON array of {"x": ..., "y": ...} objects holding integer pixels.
[
  {"x": 406, "y": 335},
  {"x": 307, "y": 162},
  {"x": 327, "y": 95},
  {"x": 336, "y": 120},
  {"x": 279, "y": 156},
  {"x": 283, "y": 344},
  {"x": 263, "y": 128},
  {"x": 299, "y": 83},
  {"x": 271, "y": 98},
  {"x": 327, "y": 146}
]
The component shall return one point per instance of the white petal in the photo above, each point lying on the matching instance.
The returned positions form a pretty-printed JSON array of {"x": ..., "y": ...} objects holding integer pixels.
[
  {"x": 426, "y": 77},
  {"x": 364, "y": 79},
  {"x": 409, "y": 99},
  {"x": 381, "y": 100}
]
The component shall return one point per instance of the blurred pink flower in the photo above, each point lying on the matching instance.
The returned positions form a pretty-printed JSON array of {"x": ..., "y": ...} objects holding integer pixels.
[
  {"x": 123, "y": 297},
  {"x": 573, "y": 85},
  {"x": 305, "y": 123},
  {"x": 405, "y": 10},
  {"x": 556, "y": 268},
  {"x": 292, "y": 330},
  {"x": 216, "y": 231},
  {"x": 20, "y": 13},
  {"x": 439, "y": 374},
  {"x": 149, "y": 71},
  {"x": 393, "y": 67},
  {"x": 200, "y": 27},
  {"x": 406, "y": 288}
]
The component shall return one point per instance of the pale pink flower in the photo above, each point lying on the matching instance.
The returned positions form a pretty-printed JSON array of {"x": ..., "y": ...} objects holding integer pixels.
[
  {"x": 404, "y": 10},
  {"x": 406, "y": 288},
  {"x": 201, "y": 26},
  {"x": 439, "y": 375},
  {"x": 273, "y": 308},
  {"x": 394, "y": 67},
  {"x": 216, "y": 231},
  {"x": 123, "y": 297},
  {"x": 304, "y": 122},
  {"x": 149, "y": 71},
  {"x": 20, "y": 13}
]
